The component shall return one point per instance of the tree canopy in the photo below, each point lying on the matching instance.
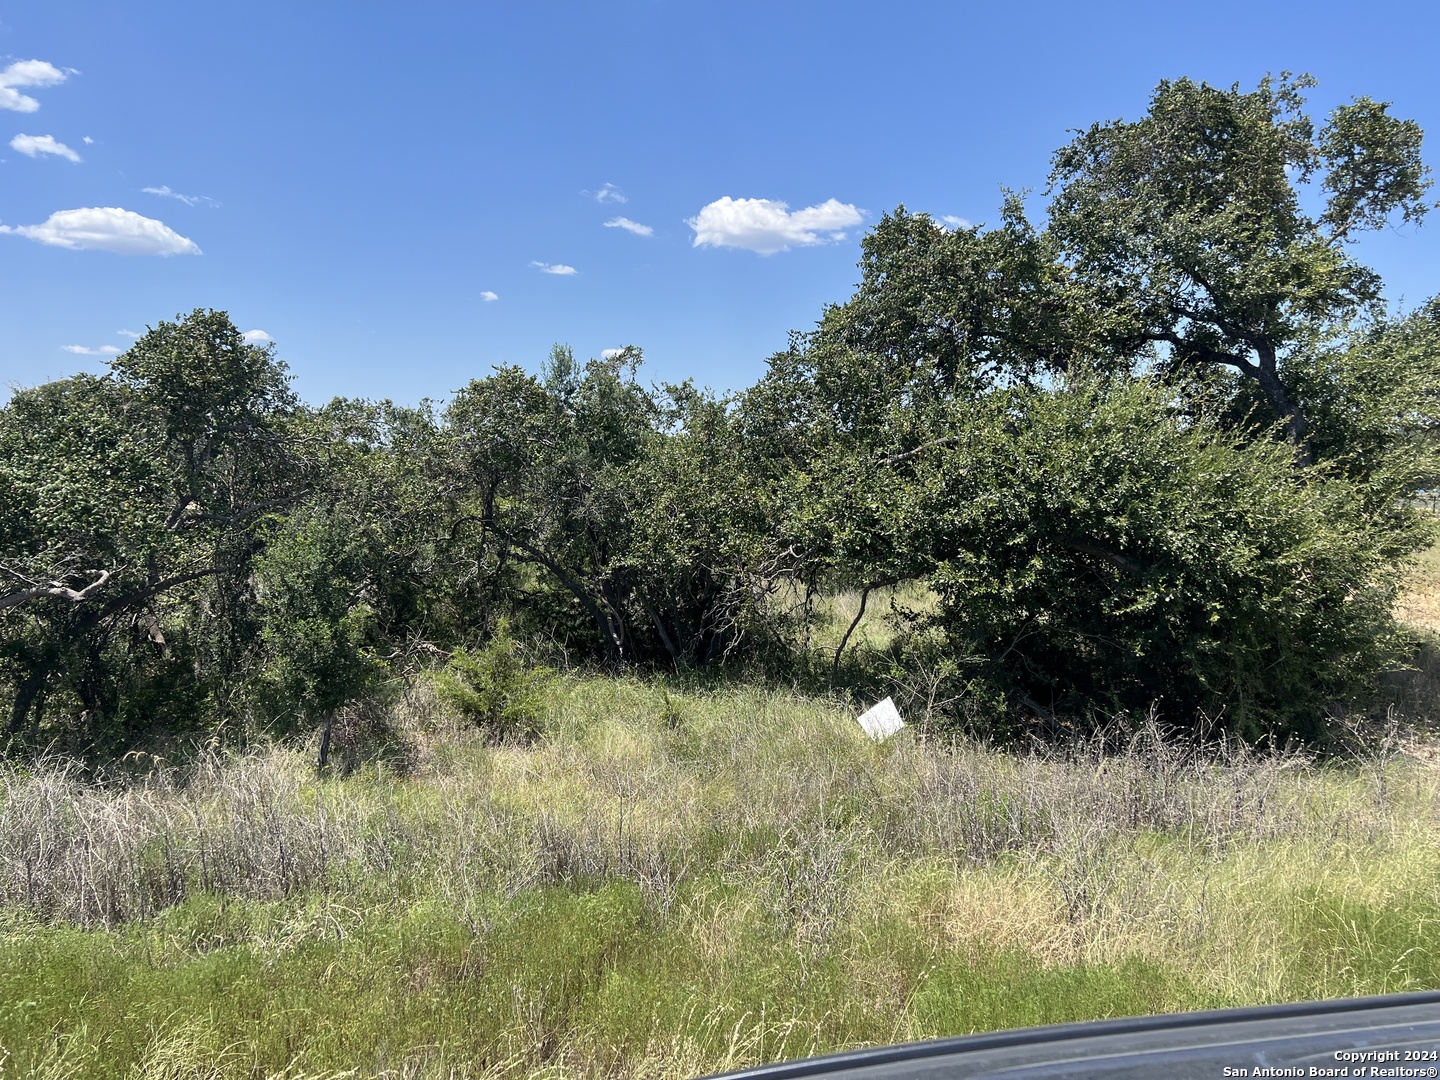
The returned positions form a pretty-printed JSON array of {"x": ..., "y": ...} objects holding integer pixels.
[
  {"x": 1152, "y": 454},
  {"x": 1186, "y": 229}
]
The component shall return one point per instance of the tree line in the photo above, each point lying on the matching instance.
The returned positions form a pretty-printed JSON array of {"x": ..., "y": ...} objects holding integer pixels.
[{"x": 1153, "y": 454}]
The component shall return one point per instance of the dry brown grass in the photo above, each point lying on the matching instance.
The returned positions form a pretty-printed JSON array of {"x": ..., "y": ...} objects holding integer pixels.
[
  {"x": 753, "y": 828},
  {"x": 1419, "y": 603},
  {"x": 778, "y": 794}
]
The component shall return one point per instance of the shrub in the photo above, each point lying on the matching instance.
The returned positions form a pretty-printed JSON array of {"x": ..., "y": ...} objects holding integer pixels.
[
  {"x": 493, "y": 688},
  {"x": 1106, "y": 555}
]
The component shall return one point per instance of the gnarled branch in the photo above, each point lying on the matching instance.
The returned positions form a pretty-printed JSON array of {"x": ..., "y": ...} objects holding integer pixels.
[{"x": 57, "y": 589}]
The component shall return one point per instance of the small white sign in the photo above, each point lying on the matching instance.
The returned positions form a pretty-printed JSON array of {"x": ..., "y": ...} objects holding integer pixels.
[{"x": 882, "y": 721}]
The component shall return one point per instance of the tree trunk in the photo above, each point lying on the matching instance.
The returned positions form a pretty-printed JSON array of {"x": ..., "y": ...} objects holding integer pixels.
[
  {"x": 665, "y": 638},
  {"x": 25, "y": 696},
  {"x": 609, "y": 632},
  {"x": 324, "y": 758},
  {"x": 1297, "y": 429},
  {"x": 864, "y": 597}
]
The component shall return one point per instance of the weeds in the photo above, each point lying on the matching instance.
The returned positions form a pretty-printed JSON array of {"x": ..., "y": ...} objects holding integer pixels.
[{"x": 679, "y": 879}]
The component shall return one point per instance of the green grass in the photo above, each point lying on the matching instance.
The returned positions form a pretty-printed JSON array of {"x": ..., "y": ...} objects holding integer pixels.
[{"x": 678, "y": 880}]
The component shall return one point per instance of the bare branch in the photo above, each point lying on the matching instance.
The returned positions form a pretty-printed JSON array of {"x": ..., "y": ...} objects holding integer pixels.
[
  {"x": 906, "y": 455},
  {"x": 144, "y": 593},
  {"x": 1209, "y": 356},
  {"x": 57, "y": 589}
]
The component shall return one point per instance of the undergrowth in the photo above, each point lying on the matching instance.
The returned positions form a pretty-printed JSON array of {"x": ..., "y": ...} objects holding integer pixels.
[{"x": 679, "y": 879}]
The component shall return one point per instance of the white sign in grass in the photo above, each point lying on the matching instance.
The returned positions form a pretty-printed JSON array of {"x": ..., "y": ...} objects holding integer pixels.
[{"x": 882, "y": 721}]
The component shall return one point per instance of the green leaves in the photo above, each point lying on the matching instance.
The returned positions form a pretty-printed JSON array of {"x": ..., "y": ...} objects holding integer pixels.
[
  {"x": 641, "y": 505},
  {"x": 204, "y": 379},
  {"x": 1373, "y": 168},
  {"x": 1184, "y": 229},
  {"x": 940, "y": 314},
  {"x": 78, "y": 459},
  {"x": 1104, "y": 554},
  {"x": 155, "y": 475},
  {"x": 493, "y": 688},
  {"x": 317, "y": 626},
  {"x": 1074, "y": 431}
]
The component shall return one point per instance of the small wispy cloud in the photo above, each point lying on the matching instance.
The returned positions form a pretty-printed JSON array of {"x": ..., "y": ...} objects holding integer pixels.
[
  {"x": 766, "y": 226},
  {"x": 128, "y": 333},
  {"x": 28, "y": 73},
  {"x": 35, "y": 145},
  {"x": 489, "y": 297},
  {"x": 610, "y": 354},
  {"x": 188, "y": 200},
  {"x": 87, "y": 140},
  {"x": 554, "y": 268},
  {"x": 956, "y": 222},
  {"x": 607, "y": 194},
  {"x": 256, "y": 337},
  {"x": 629, "y": 226},
  {"x": 86, "y": 350},
  {"x": 106, "y": 228}
]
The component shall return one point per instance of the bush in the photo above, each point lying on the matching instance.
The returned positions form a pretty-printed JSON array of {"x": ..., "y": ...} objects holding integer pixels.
[
  {"x": 1107, "y": 555},
  {"x": 493, "y": 688}
]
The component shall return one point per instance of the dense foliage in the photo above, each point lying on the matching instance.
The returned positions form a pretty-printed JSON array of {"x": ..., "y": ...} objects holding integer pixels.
[{"x": 1152, "y": 455}]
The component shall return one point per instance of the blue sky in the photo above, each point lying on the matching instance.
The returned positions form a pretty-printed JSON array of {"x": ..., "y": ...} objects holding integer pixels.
[{"x": 387, "y": 190}]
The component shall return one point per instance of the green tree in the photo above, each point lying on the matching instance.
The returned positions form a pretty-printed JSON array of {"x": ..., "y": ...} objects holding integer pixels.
[
  {"x": 317, "y": 627},
  {"x": 703, "y": 556},
  {"x": 380, "y": 468},
  {"x": 541, "y": 465},
  {"x": 129, "y": 527},
  {"x": 1101, "y": 550},
  {"x": 962, "y": 418},
  {"x": 493, "y": 688},
  {"x": 82, "y": 521},
  {"x": 634, "y": 506},
  {"x": 1185, "y": 229},
  {"x": 1373, "y": 399},
  {"x": 942, "y": 313},
  {"x": 217, "y": 398}
]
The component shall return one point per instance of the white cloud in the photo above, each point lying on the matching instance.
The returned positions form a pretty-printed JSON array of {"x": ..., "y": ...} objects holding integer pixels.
[
  {"x": 27, "y": 73},
  {"x": 629, "y": 226},
  {"x": 766, "y": 226},
  {"x": 489, "y": 297},
  {"x": 188, "y": 200},
  {"x": 555, "y": 268},
  {"x": 87, "y": 140},
  {"x": 128, "y": 333},
  {"x": 85, "y": 350},
  {"x": 33, "y": 145},
  {"x": 956, "y": 222},
  {"x": 607, "y": 194},
  {"x": 106, "y": 228},
  {"x": 610, "y": 354},
  {"x": 256, "y": 337}
]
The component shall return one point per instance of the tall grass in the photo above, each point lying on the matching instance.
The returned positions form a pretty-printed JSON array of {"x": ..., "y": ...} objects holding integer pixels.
[
  {"x": 1419, "y": 604},
  {"x": 679, "y": 879}
]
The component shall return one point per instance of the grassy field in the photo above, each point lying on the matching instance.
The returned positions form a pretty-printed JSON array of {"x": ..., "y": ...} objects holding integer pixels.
[
  {"x": 680, "y": 879},
  {"x": 1420, "y": 606}
]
